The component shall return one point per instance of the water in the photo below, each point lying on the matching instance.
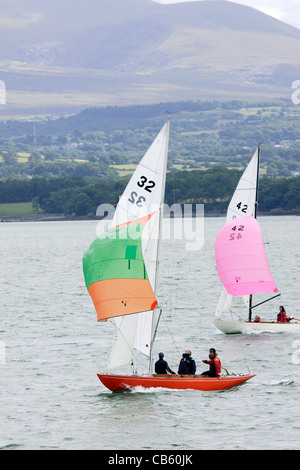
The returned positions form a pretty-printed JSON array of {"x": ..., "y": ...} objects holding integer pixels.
[{"x": 51, "y": 348}]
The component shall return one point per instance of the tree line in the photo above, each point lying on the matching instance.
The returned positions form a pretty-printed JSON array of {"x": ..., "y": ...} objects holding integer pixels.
[
  {"x": 214, "y": 187},
  {"x": 203, "y": 134}
]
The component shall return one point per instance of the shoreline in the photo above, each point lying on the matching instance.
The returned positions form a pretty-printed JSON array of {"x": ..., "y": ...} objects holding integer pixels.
[{"x": 63, "y": 218}]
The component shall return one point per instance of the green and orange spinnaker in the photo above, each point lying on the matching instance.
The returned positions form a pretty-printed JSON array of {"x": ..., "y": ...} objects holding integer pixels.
[{"x": 115, "y": 273}]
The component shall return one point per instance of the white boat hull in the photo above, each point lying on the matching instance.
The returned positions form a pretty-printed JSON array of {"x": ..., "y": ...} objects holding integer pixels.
[{"x": 239, "y": 327}]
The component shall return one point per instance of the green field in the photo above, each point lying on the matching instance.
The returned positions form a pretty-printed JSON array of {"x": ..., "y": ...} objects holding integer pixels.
[
  {"x": 124, "y": 169},
  {"x": 16, "y": 208}
]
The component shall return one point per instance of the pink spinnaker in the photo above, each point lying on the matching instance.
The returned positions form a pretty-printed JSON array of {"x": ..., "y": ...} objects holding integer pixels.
[{"x": 241, "y": 260}]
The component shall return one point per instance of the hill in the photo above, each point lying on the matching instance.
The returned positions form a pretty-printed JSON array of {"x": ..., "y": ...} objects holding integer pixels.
[
  {"x": 99, "y": 142},
  {"x": 64, "y": 56}
]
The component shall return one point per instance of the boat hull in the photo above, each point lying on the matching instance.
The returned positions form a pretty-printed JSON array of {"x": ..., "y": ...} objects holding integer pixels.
[
  {"x": 117, "y": 383},
  {"x": 239, "y": 327}
]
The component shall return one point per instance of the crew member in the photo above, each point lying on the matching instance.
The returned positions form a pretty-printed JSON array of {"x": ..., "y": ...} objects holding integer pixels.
[
  {"x": 161, "y": 366},
  {"x": 214, "y": 364},
  {"x": 187, "y": 365},
  {"x": 281, "y": 317}
]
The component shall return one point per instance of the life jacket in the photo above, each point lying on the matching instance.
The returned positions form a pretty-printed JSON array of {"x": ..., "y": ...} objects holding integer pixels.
[
  {"x": 215, "y": 365},
  {"x": 281, "y": 317}
]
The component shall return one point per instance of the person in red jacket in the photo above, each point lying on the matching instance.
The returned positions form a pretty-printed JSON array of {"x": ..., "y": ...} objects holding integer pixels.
[
  {"x": 281, "y": 317},
  {"x": 214, "y": 364}
]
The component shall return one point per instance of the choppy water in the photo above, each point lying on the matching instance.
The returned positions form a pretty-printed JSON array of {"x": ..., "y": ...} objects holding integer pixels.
[{"x": 51, "y": 348}]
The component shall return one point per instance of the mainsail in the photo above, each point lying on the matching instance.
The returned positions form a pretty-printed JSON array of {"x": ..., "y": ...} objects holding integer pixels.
[
  {"x": 121, "y": 266},
  {"x": 243, "y": 200}
]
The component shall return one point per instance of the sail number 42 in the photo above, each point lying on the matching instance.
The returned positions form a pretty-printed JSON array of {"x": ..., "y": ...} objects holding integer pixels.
[
  {"x": 242, "y": 207},
  {"x": 147, "y": 186},
  {"x": 236, "y": 235}
]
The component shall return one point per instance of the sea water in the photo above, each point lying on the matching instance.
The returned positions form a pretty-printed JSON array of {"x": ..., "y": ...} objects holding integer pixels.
[{"x": 51, "y": 348}]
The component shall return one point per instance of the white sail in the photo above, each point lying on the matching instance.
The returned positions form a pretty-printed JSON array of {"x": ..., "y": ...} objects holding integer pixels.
[
  {"x": 242, "y": 204},
  {"x": 224, "y": 304},
  {"x": 143, "y": 195},
  {"x": 121, "y": 353}
]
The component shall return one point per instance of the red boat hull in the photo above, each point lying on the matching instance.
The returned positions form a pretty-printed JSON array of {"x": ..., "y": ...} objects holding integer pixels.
[{"x": 118, "y": 383}]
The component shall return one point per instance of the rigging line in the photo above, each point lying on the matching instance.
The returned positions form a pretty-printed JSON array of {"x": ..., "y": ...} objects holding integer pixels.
[
  {"x": 233, "y": 313},
  {"x": 169, "y": 331}
]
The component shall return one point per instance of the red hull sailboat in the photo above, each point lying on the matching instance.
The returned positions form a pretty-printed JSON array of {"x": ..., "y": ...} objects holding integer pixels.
[
  {"x": 118, "y": 383},
  {"x": 121, "y": 275}
]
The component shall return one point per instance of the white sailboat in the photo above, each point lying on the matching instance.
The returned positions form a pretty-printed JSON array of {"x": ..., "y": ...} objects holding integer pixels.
[
  {"x": 121, "y": 275},
  {"x": 244, "y": 262}
]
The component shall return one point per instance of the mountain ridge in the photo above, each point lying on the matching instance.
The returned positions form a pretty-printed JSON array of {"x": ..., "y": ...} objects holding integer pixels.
[{"x": 116, "y": 52}]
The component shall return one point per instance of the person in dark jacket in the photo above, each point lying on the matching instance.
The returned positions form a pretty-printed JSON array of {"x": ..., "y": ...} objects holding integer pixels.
[
  {"x": 161, "y": 366},
  {"x": 187, "y": 365},
  {"x": 214, "y": 364}
]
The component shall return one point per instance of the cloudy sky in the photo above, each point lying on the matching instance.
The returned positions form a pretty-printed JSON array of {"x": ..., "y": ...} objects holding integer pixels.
[{"x": 284, "y": 10}]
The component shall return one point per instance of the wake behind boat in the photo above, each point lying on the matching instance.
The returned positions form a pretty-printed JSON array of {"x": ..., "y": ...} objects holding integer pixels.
[
  {"x": 241, "y": 261},
  {"x": 121, "y": 275}
]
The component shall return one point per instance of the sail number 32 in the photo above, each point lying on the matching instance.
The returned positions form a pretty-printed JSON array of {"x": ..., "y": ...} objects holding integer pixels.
[{"x": 147, "y": 186}]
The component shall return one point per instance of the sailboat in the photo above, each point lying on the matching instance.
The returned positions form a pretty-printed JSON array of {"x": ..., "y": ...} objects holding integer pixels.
[
  {"x": 241, "y": 261},
  {"x": 121, "y": 274}
]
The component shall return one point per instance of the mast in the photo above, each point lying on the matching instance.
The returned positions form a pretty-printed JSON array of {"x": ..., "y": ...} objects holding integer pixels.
[
  {"x": 161, "y": 207},
  {"x": 255, "y": 216},
  {"x": 257, "y": 182}
]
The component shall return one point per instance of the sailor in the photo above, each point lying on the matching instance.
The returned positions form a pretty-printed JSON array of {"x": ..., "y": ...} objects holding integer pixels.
[
  {"x": 187, "y": 365},
  {"x": 257, "y": 319},
  {"x": 161, "y": 366},
  {"x": 214, "y": 364},
  {"x": 281, "y": 317}
]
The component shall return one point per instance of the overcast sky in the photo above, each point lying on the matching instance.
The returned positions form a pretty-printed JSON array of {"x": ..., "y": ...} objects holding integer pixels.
[{"x": 284, "y": 10}]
